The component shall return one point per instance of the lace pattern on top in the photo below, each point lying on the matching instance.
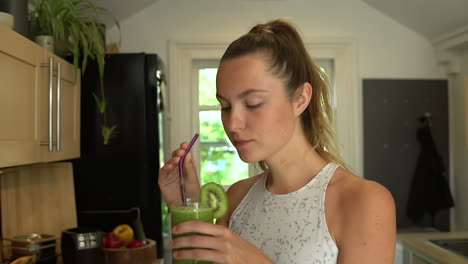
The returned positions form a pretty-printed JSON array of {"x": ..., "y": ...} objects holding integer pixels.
[{"x": 289, "y": 228}]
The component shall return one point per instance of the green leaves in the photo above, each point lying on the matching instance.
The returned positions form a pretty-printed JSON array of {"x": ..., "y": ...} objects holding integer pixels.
[
  {"x": 101, "y": 103},
  {"x": 221, "y": 164},
  {"x": 77, "y": 22},
  {"x": 107, "y": 132}
]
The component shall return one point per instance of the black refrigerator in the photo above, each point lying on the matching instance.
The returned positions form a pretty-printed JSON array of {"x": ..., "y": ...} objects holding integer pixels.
[{"x": 117, "y": 182}]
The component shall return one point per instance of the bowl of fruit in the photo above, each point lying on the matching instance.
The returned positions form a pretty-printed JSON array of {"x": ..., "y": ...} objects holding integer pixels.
[{"x": 127, "y": 245}]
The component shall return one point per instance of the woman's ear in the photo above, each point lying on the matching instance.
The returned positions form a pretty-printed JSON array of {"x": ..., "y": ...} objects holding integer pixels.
[{"x": 302, "y": 98}]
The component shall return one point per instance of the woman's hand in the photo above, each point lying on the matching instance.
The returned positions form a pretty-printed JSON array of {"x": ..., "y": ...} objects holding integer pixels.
[
  {"x": 168, "y": 179},
  {"x": 218, "y": 244}
]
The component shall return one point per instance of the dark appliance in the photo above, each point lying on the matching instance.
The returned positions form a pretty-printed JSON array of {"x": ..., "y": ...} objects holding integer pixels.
[
  {"x": 117, "y": 182},
  {"x": 81, "y": 245}
]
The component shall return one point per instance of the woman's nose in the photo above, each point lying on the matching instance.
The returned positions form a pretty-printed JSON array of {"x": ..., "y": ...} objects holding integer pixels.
[{"x": 233, "y": 121}]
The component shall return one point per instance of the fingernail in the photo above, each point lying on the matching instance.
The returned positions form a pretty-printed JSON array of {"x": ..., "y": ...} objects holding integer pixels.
[
  {"x": 175, "y": 254},
  {"x": 171, "y": 244},
  {"x": 174, "y": 229}
]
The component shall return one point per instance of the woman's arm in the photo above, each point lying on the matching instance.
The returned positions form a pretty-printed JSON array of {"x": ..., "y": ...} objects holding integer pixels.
[{"x": 368, "y": 225}]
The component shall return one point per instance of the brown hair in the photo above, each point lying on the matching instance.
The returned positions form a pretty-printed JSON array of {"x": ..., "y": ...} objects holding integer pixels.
[{"x": 289, "y": 60}]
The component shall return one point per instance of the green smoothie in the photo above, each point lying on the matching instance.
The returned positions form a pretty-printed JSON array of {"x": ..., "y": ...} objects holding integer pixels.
[{"x": 193, "y": 211}]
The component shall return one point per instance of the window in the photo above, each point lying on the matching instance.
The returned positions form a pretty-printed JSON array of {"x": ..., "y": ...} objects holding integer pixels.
[
  {"x": 326, "y": 65},
  {"x": 218, "y": 158}
]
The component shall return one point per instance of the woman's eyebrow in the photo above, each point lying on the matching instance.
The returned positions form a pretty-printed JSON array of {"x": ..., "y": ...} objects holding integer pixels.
[{"x": 243, "y": 94}]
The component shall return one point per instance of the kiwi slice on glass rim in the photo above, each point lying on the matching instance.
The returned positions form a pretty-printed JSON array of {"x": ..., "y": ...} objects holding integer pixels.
[{"x": 213, "y": 195}]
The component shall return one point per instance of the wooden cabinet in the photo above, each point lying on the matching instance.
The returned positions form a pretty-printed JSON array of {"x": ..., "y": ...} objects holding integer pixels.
[
  {"x": 25, "y": 99},
  {"x": 38, "y": 198},
  {"x": 20, "y": 67}
]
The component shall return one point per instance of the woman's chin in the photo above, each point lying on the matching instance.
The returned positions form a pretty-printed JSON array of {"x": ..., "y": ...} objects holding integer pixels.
[{"x": 248, "y": 158}]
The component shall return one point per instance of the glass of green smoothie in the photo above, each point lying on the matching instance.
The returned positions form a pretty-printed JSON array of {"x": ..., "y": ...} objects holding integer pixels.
[{"x": 188, "y": 212}]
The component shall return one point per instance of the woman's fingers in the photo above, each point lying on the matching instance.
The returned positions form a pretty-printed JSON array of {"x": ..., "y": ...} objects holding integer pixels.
[
  {"x": 199, "y": 254},
  {"x": 181, "y": 150},
  {"x": 168, "y": 179},
  {"x": 202, "y": 241},
  {"x": 199, "y": 227},
  {"x": 177, "y": 153}
]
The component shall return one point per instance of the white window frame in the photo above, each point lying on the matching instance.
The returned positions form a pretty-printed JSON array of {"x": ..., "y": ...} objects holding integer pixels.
[
  {"x": 348, "y": 110},
  {"x": 196, "y": 65}
]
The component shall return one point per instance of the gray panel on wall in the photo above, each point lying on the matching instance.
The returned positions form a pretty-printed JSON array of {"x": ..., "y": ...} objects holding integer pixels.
[{"x": 391, "y": 113}]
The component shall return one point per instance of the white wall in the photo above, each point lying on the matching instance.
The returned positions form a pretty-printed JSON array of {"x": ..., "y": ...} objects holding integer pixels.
[
  {"x": 385, "y": 47},
  {"x": 458, "y": 132}
]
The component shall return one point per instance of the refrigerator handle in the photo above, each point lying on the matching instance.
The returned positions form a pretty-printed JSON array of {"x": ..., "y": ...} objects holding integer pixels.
[{"x": 59, "y": 106}]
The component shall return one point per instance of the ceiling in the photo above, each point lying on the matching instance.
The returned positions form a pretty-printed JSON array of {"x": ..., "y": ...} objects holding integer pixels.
[{"x": 431, "y": 18}]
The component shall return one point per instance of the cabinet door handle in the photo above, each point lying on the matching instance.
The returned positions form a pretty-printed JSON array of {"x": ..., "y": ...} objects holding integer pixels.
[
  {"x": 51, "y": 95},
  {"x": 59, "y": 106}
]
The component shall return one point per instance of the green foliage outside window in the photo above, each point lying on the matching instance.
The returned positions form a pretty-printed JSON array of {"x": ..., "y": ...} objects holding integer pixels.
[
  {"x": 219, "y": 160},
  {"x": 221, "y": 164},
  {"x": 207, "y": 86},
  {"x": 211, "y": 127}
]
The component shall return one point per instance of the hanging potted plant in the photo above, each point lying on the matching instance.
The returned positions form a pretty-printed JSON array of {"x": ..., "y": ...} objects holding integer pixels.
[
  {"x": 76, "y": 26},
  {"x": 41, "y": 26}
]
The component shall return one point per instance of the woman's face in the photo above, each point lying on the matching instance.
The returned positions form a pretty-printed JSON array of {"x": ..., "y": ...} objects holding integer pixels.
[{"x": 257, "y": 114}]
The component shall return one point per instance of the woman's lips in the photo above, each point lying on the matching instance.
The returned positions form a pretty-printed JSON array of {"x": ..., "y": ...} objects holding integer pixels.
[{"x": 241, "y": 143}]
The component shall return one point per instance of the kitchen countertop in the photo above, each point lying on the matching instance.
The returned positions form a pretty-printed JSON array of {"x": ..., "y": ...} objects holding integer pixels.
[{"x": 419, "y": 242}]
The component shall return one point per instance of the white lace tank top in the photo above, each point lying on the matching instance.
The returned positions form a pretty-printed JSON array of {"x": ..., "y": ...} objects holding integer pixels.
[{"x": 288, "y": 228}]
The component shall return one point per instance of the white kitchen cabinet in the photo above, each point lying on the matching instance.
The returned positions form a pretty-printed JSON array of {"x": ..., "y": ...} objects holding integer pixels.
[
  {"x": 416, "y": 259},
  {"x": 466, "y": 111},
  {"x": 25, "y": 99},
  {"x": 399, "y": 253},
  {"x": 418, "y": 248},
  {"x": 408, "y": 255}
]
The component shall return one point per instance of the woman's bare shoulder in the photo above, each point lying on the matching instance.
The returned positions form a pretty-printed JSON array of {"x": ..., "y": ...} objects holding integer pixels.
[
  {"x": 236, "y": 193},
  {"x": 354, "y": 192},
  {"x": 364, "y": 209}
]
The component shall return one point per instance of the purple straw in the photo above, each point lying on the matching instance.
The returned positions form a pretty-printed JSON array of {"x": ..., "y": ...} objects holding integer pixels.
[{"x": 181, "y": 170}]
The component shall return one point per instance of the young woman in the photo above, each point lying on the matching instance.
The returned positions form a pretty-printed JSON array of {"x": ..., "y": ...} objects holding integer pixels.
[{"x": 306, "y": 207}]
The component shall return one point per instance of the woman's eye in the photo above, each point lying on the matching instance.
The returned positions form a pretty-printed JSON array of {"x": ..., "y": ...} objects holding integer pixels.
[
  {"x": 225, "y": 108},
  {"x": 253, "y": 106}
]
